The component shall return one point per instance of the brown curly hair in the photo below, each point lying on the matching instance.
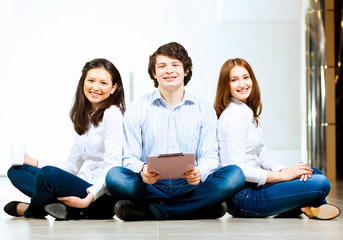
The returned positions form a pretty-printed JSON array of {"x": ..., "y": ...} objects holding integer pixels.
[{"x": 172, "y": 50}]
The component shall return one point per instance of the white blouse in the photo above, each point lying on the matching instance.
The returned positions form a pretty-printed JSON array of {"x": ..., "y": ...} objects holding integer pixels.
[
  {"x": 99, "y": 150},
  {"x": 241, "y": 143}
]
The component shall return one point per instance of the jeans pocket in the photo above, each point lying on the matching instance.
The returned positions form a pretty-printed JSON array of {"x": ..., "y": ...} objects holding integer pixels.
[
  {"x": 232, "y": 203},
  {"x": 238, "y": 206}
]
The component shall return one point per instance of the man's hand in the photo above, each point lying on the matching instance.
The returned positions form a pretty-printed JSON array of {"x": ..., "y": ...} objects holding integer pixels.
[
  {"x": 149, "y": 177},
  {"x": 76, "y": 202},
  {"x": 193, "y": 176}
]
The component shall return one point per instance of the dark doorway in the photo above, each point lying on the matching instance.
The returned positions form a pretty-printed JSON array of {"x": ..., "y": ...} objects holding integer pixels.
[{"x": 339, "y": 86}]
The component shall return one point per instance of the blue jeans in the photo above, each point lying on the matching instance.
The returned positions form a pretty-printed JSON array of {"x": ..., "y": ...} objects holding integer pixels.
[
  {"x": 280, "y": 198},
  {"x": 44, "y": 185},
  {"x": 175, "y": 198}
]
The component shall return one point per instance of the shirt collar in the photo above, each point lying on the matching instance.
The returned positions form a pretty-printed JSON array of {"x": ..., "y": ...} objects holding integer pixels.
[
  {"x": 235, "y": 100},
  {"x": 187, "y": 98},
  {"x": 245, "y": 107}
]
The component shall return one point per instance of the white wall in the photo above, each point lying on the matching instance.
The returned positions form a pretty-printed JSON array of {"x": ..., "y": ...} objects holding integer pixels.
[{"x": 45, "y": 44}]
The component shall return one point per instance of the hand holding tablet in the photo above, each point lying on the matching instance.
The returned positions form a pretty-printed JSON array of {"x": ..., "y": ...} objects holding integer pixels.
[{"x": 171, "y": 166}]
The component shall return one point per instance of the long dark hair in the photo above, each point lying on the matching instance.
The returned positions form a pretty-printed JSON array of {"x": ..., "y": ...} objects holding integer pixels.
[
  {"x": 80, "y": 113},
  {"x": 223, "y": 94}
]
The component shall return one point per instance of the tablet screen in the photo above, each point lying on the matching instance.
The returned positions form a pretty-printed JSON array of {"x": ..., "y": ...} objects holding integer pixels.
[{"x": 171, "y": 166}]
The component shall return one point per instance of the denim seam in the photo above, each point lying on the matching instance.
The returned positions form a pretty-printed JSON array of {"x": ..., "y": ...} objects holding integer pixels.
[
  {"x": 155, "y": 211},
  {"x": 289, "y": 195}
]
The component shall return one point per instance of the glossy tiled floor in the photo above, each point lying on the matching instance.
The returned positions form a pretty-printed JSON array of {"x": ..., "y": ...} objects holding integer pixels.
[{"x": 224, "y": 228}]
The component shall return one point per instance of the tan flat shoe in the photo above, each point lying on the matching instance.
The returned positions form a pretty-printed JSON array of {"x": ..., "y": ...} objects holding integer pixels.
[{"x": 323, "y": 212}]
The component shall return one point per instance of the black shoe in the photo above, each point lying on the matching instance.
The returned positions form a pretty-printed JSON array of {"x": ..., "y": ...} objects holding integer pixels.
[
  {"x": 215, "y": 211},
  {"x": 63, "y": 212},
  {"x": 11, "y": 208},
  {"x": 127, "y": 210}
]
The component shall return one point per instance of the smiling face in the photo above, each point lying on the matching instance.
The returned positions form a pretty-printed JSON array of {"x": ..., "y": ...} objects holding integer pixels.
[
  {"x": 98, "y": 86},
  {"x": 240, "y": 83},
  {"x": 169, "y": 73}
]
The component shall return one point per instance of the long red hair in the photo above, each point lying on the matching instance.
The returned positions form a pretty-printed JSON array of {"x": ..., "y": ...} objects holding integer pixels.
[{"x": 223, "y": 95}]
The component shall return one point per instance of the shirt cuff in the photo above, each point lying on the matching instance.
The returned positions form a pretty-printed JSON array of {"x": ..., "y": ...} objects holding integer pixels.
[
  {"x": 96, "y": 190},
  {"x": 134, "y": 165},
  {"x": 138, "y": 167},
  {"x": 204, "y": 173},
  {"x": 263, "y": 177}
]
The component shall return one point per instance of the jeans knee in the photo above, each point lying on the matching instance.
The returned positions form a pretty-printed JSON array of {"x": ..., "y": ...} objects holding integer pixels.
[
  {"x": 111, "y": 174},
  {"x": 323, "y": 184},
  {"x": 14, "y": 174},
  {"x": 118, "y": 182},
  {"x": 235, "y": 178},
  {"x": 46, "y": 173},
  {"x": 11, "y": 172},
  {"x": 112, "y": 178},
  {"x": 236, "y": 175}
]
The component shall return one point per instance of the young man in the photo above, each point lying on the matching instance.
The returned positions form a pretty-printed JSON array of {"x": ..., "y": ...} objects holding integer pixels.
[{"x": 171, "y": 120}]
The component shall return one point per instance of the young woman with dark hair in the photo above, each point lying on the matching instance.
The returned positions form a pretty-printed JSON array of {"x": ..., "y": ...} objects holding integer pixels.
[
  {"x": 97, "y": 115},
  {"x": 270, "y": 188}
]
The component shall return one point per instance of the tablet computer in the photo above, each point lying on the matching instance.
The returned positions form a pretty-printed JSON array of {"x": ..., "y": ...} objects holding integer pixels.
[{"x": 171, "y": 166}]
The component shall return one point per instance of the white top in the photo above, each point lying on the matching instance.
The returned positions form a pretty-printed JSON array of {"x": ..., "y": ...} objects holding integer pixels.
[
  {"x": 152, "y": 127},
  {"x": 99, "y": 149},
  {"x": 241, "y": 143}
]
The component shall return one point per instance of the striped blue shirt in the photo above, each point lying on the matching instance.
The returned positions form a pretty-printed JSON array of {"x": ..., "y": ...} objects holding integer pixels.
[{"x": 152, "y": 128}]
